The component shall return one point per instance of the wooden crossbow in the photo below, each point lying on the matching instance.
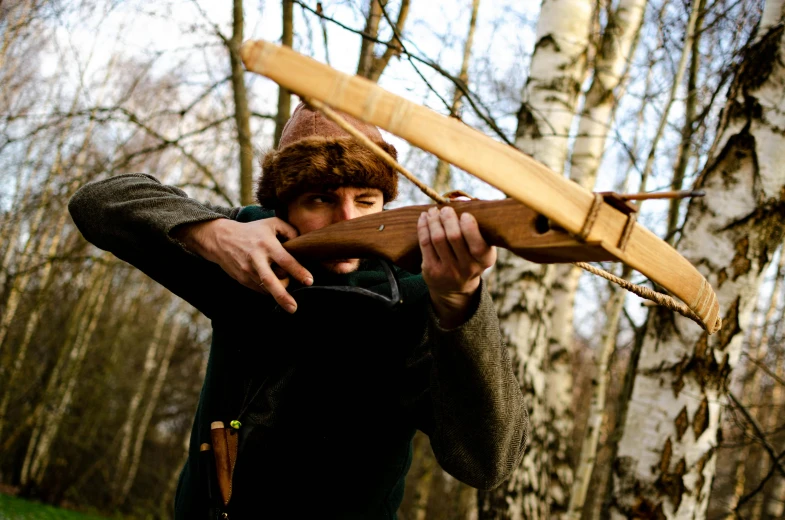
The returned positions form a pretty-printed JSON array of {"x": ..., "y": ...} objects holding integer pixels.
[{"x": 548, "y": 219}]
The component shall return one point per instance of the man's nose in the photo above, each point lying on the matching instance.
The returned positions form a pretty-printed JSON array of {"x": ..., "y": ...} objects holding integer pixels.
[{"x": 345, "y": 210}]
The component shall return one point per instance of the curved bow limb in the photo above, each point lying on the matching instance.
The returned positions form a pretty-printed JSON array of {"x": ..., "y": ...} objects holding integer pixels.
[{"x": 516, "y": 174}]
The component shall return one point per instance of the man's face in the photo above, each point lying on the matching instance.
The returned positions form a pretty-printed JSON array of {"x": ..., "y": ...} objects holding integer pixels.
[{"x": 316, "y": 209}]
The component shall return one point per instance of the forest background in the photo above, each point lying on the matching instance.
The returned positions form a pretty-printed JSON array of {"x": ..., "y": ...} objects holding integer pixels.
[{"x": 636, "y": 413}]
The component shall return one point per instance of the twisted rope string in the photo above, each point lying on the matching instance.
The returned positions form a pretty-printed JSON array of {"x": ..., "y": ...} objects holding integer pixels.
[{"x": 644, "y": 292}]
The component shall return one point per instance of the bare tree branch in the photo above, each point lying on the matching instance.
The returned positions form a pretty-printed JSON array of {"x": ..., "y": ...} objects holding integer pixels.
[{"x": 472, "y": 98}]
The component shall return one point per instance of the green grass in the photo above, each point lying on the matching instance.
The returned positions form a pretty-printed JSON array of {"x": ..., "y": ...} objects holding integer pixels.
[{"x": 12, "y": 508}]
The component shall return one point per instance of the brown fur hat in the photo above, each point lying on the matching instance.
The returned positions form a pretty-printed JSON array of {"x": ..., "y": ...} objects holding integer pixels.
[{"x": 316, "y": 154}]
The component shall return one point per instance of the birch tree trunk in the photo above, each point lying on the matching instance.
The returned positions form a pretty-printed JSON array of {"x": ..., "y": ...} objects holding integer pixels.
[
  {"x": 127, "y": 431},
  {"x": 591, "y": 439},
  {"x": 19, "y": 284},
  {"x": 688, "y": 129},
  {"x": 242, "y": 115},
  {"x": 35, "y": 243},
  {"x": 589, "y": 156},
  {"x": 44, "y": 277},
  {"x": 442, "y": 180},
  {"x": 372, "y": 30},
  {"x": 12, "y": 225},
  {"x": 62, "y": 381},
  {"x": 521, "y": 289},
  {"x": 378, "y": 64},
  {"x": 775, "y": 505},
  {"x": 155, "y": 393},
  {"x": 284, "y": 96},
  {"x": 752, "y": 390},
  {"x": 617, "y": 48},
  {"x": 771, "y": 413},
  {"x": 667, "y": 451}
]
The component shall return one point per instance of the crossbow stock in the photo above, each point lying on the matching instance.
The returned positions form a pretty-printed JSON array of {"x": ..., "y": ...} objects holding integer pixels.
[{"x": 551, "y": 218}]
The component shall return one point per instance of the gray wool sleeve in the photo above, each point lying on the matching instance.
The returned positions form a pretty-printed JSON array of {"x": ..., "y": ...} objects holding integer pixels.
[
  {"x": 479, "y": 425},
  {"x": 133, "y": 216}
]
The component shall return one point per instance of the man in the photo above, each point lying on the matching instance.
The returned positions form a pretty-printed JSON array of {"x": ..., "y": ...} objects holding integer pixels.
[{"x": 327, "y": 388}]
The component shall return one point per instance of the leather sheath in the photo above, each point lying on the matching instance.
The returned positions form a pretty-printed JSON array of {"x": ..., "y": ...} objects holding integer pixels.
[{"x": 225, "y": 450}]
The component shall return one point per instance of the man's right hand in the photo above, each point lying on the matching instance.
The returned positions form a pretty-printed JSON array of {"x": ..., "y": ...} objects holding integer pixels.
[{"x": 249, "y": 253}]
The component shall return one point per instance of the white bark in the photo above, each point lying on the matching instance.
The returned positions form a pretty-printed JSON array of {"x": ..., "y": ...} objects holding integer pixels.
[
  {"x": 36, "y": 241},
  {"x": 689, "y": 35},
  {"x": 616, "y": 50},
  {"x": 524, "y": 495},
  {"x": 557, "y": 71},
  {"x": 591, "y": 439},
  {"x": 19, "y": 285},
  {"x": 667, "y": 452},
  {"x": 44, "y": 277},
  {"x": 770, "y": 413},
  {"x": 13, "y": 224},
  {"x": 127, "y": 430},
  {"x": 522, "y": 289},
  {"x": 152, "y": 402},
  {"x": 62, "y": 381}
]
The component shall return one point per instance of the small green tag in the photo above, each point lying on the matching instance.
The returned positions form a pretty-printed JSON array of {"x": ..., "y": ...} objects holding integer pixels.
[{"x": 235, "y": 424}]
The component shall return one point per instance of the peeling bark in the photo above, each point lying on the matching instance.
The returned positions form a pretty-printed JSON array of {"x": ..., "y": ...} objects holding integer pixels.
[
  {"x": 522, "y": 289},
  {"x": 735, "y": 229}
]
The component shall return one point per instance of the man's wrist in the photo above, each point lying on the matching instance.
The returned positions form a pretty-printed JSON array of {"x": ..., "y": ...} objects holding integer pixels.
[
  {"x": 455, "y": 308},
  {"x": 199, "y": 237}
]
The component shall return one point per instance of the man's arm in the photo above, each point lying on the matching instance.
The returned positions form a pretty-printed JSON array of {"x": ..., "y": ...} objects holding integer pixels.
[
  {"x": 132, "y": 216},
  {"x": 473, "y": 409},
  {"x": 193, "y": 249}
]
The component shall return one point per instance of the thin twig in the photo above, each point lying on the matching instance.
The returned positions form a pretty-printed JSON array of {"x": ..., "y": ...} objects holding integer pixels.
[
  {"x": 758, "y": 433},
  {"x": 766, "y": 369},
  {"x": 681, "y": 194},
  {"x": 472, "y": 98}
]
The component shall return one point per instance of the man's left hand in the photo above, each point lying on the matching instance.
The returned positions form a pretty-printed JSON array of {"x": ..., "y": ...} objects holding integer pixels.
[{"x": 454, "y": 256}]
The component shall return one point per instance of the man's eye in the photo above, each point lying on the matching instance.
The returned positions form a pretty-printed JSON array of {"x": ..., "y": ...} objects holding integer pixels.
[{"x": 367, "y": 203}]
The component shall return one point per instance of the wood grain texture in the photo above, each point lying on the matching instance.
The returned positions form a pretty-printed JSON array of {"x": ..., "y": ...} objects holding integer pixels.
[
  {"x": 393, "y": 235},
  {"x": 506, "y": 168}
]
